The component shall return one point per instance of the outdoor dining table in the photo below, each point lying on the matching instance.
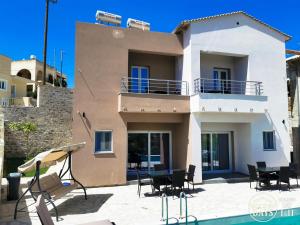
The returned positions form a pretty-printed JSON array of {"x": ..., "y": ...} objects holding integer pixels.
[
  {"x": 268, "y": 169},
  {"x": 161, "y": 173}
]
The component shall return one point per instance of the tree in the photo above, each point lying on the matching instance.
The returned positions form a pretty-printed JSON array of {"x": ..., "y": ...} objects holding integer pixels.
[{"x": 27, "y": 128}]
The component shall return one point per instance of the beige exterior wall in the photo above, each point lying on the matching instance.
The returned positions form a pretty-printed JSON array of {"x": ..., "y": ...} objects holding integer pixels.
[
  {"x": 102, "y": 59},
  {"x": 153, "y": 103},
  {"x": 20, "y": 83},
  {"x": 160, "y": 66}
]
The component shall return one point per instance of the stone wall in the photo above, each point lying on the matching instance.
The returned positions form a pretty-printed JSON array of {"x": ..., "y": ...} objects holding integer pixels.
[{"x": 53, "y": 118}]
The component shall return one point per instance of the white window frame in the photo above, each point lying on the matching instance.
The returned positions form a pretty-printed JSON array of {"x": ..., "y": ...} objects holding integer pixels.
[
  {"x": 6, "y": 83},
  {"x": 274, "y": 140},
  {"x": 111, "y": 145}
]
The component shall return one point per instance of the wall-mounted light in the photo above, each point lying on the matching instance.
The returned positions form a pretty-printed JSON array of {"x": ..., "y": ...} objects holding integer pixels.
[
  {"x": 283, "y": 121},
  {"x": 83, "y": 115}
]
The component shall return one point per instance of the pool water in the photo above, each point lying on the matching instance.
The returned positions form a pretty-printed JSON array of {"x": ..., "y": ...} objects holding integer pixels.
[{"x": 284, "y": 217}]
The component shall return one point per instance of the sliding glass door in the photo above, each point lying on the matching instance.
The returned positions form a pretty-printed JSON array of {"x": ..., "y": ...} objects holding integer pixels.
[
  {"x": 147, "y": 148},
  {"x": 216, "y": 154}
]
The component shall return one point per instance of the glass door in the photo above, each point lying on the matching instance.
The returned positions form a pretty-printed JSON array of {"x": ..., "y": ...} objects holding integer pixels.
[
  {"x": 139, "y": 79},
  {"x": 159, "y": 149},
  {"x": 221, "y": 80},
  {"x": 215, "y": 152},
  {"x": 145, "y": 149}
]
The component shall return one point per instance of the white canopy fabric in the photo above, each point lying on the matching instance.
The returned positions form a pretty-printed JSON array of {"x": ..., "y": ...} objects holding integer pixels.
[{"x": 50, "y": 157}]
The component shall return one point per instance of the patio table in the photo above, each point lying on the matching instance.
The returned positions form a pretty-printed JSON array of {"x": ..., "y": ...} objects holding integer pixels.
[
  {"x": 269, "y": 170},
  {"x": 162, "y": 173}
]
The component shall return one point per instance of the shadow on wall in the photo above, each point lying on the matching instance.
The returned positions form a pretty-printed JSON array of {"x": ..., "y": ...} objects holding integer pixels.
[{"x": 78, "y": 205}]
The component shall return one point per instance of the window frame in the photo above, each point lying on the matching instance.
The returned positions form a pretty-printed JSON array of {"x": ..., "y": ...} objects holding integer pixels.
[
  {"x": 111, "y": 144},
  {"x": 6, "y": 85},
  {"x": 274, "y": 140}
]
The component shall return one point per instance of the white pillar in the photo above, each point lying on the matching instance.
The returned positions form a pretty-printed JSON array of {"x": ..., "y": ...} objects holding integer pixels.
[{"x": 195, "y": 146}]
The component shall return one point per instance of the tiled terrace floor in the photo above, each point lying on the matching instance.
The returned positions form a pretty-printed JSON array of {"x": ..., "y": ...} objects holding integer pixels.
[{"x": 123, "y": 206}]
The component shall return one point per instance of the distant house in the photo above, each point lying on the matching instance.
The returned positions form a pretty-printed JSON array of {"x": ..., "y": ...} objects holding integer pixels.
[
  {"x": 293, "y": 75},
  {"x": 12, "y": 88},
  {"x": 32, "y": 69}
]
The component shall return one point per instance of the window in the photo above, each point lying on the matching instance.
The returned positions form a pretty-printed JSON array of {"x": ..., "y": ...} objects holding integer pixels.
[
  {"x": 3, "y": 85},
  {"x": 269, "y": 140},
  {"x": 103, "y": 141}
]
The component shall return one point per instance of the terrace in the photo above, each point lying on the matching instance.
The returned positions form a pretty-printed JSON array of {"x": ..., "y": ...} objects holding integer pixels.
[{"x": 122, "y": 205}]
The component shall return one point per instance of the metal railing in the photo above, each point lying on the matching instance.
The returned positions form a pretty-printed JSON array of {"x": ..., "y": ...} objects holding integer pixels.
[
  {"x": 203, "y": 85},
  {"x": 18, "y": 101},
  {"x": 183, "y": 196},
  {"x": 154, "y": 86}
]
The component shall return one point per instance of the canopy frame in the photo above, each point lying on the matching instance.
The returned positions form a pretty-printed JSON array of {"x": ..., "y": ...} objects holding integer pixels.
[{"x": 44, "y": 193}]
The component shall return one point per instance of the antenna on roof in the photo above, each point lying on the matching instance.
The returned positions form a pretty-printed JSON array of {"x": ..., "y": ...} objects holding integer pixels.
[
  {"x": 108, "y": 18},
  {"x": 138, "y": 24}
]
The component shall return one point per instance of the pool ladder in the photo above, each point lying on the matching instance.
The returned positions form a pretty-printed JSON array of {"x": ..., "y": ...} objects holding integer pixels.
[{"x": 165, "y": 211}]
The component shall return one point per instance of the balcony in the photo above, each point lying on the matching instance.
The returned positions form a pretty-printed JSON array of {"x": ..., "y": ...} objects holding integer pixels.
[
  {"x": 219, "y": 86},
  {"x": 154, "y": 86},
  {"x": 219, "y": 95},
  {"x": 153, "y": 96}
]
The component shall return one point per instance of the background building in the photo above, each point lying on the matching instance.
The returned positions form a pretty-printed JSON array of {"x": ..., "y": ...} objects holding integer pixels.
[
  {"x": 12, "y": 88},
  {"x": 293, "y": 75},
  {"x": 32, "y": 69}
]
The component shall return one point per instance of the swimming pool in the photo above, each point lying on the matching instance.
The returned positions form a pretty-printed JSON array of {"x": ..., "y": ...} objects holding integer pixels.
[{"x": 283, "y": 217}]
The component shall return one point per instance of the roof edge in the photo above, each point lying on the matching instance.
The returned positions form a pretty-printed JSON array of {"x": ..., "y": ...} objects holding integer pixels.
[{"x": 188, "y": 22}]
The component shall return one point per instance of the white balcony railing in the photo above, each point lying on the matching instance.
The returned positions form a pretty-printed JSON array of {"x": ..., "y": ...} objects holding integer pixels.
[
  {"x": 18, "y": 101},
  {"x": 203, "y": 85},
  {"x": 153, "y": 86}
]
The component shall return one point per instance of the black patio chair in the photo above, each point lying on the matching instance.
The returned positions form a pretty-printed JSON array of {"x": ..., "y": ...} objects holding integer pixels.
[
  {"x": 142, "y": 182},
  {"x": 261, "y": 164},
  {"x": 253, "y": 176},
  {"x": 294, "y": 171},
  {"x": 190, "y": 176},
  {"x": 158, "y": 167},
  {"x": 178, "y": 180},
  {"x": 284, "y": 176}
]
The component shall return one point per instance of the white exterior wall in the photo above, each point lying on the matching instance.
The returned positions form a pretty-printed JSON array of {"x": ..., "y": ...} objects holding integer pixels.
[{"x": 265, "y": 51}]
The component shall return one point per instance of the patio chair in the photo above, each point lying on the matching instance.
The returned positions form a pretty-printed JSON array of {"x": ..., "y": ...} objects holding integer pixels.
[
  {"x": 158, "y": 167},
  {"x": 284, "y": 176},
  {"x": 190, "y": 176},
  {"x": 178, "y": 178},
  {"x": 261, "y": 164},
  {"x": 45, "y": 217},
  {"x": 294, "y": 171},
  {"x": 253, "y": 177},
  {"x": 142, "y": 182}
]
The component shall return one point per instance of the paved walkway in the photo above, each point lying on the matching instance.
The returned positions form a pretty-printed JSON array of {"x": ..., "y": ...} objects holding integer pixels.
[{"x": 123, "y": 206}]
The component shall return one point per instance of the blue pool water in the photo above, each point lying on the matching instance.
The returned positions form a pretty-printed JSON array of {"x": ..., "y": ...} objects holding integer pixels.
[{"x": 284, "y": 217}]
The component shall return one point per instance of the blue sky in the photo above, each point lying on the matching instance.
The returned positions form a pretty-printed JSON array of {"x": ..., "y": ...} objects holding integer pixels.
[{"x": 21, "y": 22}]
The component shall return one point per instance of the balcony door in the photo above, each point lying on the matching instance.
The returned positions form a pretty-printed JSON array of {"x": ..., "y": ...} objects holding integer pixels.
[
  {"x": 221, "y": 80},
  {"x": 139, "y": 82},
  {"x": 216, "y": 152},
  {"x": 147, "y": 148}
]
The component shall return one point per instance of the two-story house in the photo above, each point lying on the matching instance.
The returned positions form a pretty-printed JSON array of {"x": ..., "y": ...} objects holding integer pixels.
[
  {"x": 32, "y": 69},
  {"x": 211, "y": 93},
  {"x": 12, "y": 88}
]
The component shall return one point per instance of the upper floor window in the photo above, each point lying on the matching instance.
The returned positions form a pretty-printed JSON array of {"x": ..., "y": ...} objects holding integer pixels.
[
  {"x": 103, "y": 141},
  {"x": 269, "y": 140},
  {"x": 3, "y": 85}
]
